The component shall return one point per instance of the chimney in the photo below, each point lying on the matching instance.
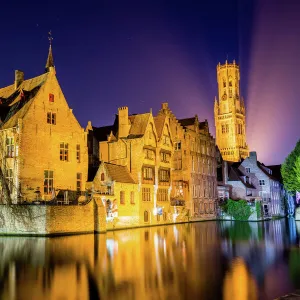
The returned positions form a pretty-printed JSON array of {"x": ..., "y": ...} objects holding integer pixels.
[
  {"x": 253, "y": 156},
  {"x": 123, "y": 122},
  {"x": 164, "y": 105},
  {"x": 19, "y": 78}
]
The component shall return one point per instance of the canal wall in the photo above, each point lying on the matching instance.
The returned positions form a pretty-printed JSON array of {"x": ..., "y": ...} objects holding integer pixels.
[{"x": 46, "y": 220}]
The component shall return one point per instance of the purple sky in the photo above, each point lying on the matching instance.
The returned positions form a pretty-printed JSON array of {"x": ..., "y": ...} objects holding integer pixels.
[{"x": 116, "y": 53}]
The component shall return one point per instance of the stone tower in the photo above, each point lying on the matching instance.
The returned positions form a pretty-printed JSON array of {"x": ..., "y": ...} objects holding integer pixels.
[{"x": 230, "y": 114}]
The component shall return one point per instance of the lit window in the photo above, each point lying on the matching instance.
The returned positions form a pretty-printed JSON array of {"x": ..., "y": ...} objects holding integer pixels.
[
  {"x": 164, "y": 175},
  {"x": 78, "y": 153},
  {"x": 78, "y": 182},
  {"x": 10, "y": 147},
  {"x": 122, "y": 197},
  {"x": 48, "y": 181},
  {"x": 64, "y": 152},
  {"x": 147, "y": 173},
  {"x": 51, "y": 98},
  {"x": 261, "y": 182},
  {"x": 146, "y": 195}
]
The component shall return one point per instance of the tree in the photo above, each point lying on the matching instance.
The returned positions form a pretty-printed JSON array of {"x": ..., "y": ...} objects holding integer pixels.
[{"x": 290, "y": 170}]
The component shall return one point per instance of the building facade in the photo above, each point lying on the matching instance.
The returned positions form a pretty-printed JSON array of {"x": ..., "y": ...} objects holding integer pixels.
[
  {"x": 230, "y": 114},
  {"x": 43, "y": 147},
  {"x": 172, "y": 162}
]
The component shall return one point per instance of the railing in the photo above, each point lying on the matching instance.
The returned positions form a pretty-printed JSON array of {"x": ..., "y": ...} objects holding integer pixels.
[{"x": 175, "y": 202}]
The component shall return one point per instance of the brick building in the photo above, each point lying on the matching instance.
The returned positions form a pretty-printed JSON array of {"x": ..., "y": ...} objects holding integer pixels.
[{"x": 43, "y": 147}]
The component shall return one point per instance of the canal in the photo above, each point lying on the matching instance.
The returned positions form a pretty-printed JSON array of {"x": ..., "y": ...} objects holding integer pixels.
[{"x": 206, "y": 260}]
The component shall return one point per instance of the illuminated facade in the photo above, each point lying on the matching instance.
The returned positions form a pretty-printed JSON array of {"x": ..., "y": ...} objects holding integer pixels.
[
  {"x": 194, "y": 165},
  {"x": 230, "y": 114},
  {"x": 43, "y": 147},
  {"x": 171, "y": 161}
]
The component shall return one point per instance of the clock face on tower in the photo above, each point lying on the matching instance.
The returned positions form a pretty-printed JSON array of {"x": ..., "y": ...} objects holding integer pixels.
[{"x": 224, "y": 97}]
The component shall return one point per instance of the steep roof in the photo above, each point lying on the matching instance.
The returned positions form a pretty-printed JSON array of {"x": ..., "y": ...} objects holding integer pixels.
[
  {"x": 236, "y": 175},
  {"x": 187, "y": 121},
  {"x": 159, "y": 124},
  {"x": 119, "y": 173},
  {"x": 276, "y": 172},
  {"x": 138, "y": 125},
  {"x": 261, "y": 166},
  {"x": 14, "y": 103}
]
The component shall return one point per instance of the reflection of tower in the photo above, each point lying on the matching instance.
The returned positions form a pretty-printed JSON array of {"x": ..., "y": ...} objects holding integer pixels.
[
  {"x": 230, "y": 114},
  {"x": 239, "y": 283}
]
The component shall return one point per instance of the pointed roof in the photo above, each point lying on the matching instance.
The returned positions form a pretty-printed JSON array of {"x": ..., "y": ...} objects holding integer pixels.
[
  {"x": 159, "y": 124},
  {"x": 50, "y": 61}
]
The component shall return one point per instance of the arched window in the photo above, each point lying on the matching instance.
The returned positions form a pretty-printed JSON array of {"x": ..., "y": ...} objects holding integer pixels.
[
  {"x": 102, "y": 177},
  {"x": 146, "y": 216}
]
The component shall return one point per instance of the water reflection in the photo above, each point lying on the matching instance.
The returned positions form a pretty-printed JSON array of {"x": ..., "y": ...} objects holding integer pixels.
[{"x": 207, "y": 260}]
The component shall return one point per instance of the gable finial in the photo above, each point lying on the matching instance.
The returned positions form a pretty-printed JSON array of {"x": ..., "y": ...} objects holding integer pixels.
[{"x": 50, "y": 61}]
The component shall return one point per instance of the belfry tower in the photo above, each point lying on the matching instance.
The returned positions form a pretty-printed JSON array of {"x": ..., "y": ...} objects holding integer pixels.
[{"x": 230, "y": 114}]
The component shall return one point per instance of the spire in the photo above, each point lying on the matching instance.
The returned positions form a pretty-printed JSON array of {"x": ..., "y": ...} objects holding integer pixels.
[{"x": 50, "y": 61}]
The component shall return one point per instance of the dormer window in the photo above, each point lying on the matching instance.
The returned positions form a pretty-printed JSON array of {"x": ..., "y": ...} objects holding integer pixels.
[{"x": 248, "y": 170}]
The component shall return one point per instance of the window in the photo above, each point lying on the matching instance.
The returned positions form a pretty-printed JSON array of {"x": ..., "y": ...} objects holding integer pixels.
[
  {"x": 178, "y": 146},
  {"x": 51, "y": 98},
  {"x": 10, "y": 147},
  {"x": 149, "y": 154},
  {"x": 148, "y": 173},
  {"x": 146, "y": 196},
  {"x": 178, "y": 164},
  {"x": 230, "y": 83},
  {"x": 122, "y": 197},
  {"x": 164, "y": 175},
  {"x": 162, "y": 195},
  {"x": 223, "y": 128},
  {"x": 224, "y": 84},
  {"x": 227, "y": 128},
  {"x": 164, "y": 157},
  {"x": 248, "y": 170},
  {"x": 78, "y": 182},
  {"x": 146, "y": 216},
  {"x": 9, "y": 178},
  {"x": 51, "y": 118},
  {"x": 132, "y": 197},
  {"x": 48, "y": 181},
  {"x": 158, "y": 217},
  {"x": 64, "y": 152},
  {"x": 262, "y": 182},
  {"x": 230, "y": 92},
  {"x": 78, "y": 153},
  {"x": 102, "y": 177}
]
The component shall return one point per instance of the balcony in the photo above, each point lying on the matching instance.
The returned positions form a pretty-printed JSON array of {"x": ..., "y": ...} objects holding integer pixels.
[{"x": 105, "y": 190}]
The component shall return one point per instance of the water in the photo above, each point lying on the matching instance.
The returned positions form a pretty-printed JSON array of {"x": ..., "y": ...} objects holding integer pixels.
[{"x": 208, "y": 260}]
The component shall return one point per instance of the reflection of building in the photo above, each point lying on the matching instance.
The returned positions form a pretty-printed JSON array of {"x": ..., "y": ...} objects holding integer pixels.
[
  {"x": 230, "y": 114},
  {"x": 239, "y": 283},
  {"x": 37, "y": 123}
]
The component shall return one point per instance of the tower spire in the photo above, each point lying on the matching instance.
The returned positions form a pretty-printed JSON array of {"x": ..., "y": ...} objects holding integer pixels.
[{"x": 50, "y": 61}]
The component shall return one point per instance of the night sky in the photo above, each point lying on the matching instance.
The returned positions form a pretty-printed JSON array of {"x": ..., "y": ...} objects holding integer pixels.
[{"x": 142, "y": 53}]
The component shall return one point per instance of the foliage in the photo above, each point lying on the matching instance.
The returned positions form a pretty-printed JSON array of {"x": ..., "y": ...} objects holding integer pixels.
[
  {"x": 290, "y": 170},
  {"x": 239, "y": 209},
  {"x": 258, "y": 209},
  {"x": 239, "y": 231},
  {"x": 294, "y": 265}
]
